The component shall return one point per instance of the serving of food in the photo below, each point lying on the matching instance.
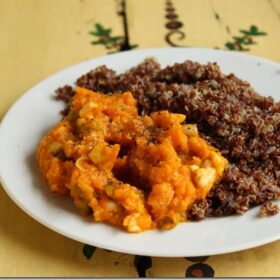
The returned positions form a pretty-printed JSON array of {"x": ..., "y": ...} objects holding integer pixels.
[
  {"x": 149, "y": 145},
  {"x": 153, "y": 147},
  {"x": 135, "y": 172}
]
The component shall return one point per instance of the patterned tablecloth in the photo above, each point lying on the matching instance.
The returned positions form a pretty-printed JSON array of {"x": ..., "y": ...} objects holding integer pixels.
[{"x": 40, "y": 37}]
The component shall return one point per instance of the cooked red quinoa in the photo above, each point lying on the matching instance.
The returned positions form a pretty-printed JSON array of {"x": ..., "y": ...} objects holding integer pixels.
[
  {"x": 268, "y": 209},
  {"x": 230, "y": 115}
]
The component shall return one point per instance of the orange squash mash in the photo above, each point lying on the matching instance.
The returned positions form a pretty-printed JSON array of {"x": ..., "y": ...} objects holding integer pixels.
[{"x": 134, "y": 172}]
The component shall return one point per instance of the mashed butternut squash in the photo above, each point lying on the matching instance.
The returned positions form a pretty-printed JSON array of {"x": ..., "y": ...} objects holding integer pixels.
[{"x": 134, "y": 172}]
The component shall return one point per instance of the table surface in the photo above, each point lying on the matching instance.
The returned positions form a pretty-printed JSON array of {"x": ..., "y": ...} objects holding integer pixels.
[{"x": 41, "y": 37}]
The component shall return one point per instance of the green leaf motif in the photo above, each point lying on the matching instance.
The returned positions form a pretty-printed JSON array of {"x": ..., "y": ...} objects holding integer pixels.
[
  {"x": 230, "y": 46},
  {"x": 88, "y": 251},
  {"x": 254, "y": 31},
  {"x": 101, "y": 30},
  {"x": 245, "y": 32},
  {"x": 98, "y": 42},
  {"x": 93, "y": 33},
  {"x": 103, "y": 37},
  {"x": 116, "y": 38},
  {"x": 247, "y": 39}
]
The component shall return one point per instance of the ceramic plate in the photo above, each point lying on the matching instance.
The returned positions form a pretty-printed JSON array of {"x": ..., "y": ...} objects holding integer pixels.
[{"x": 36, "y": 112}]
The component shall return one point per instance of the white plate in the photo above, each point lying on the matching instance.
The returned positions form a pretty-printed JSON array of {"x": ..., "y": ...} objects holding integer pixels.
[{"x": 36, "y": 112}]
